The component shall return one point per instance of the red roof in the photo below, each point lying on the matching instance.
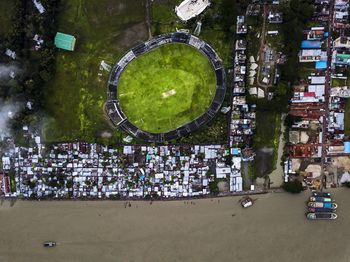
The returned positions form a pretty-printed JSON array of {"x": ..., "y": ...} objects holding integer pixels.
[
  {"x": 309, "y": 94},
  {"x": 6, "y": 185}
]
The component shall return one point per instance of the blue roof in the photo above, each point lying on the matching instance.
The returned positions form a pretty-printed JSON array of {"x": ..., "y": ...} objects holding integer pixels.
[
  {"x": 234, "y": 151},
  {"x": 321, "y": 64},
  {"x": 347, "y": 147},
  {"x": 308, "y": 44},
  {"x": 327, "y": 205}
]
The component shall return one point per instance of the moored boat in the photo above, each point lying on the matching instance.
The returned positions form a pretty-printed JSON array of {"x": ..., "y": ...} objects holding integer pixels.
[
  {"x": 321, "y": 194},
  {"x": 320, "y": 199},
  {"x": 246, "y": 202},
  {"x": 322, "y": 205},
  {"x": 49, "y": 244},
  {"x": 322, "y": 216},
  {"x": 321, "y": 210}
]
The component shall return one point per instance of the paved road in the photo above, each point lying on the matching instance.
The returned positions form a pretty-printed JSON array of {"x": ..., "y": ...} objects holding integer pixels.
[{"x": 327, "y": 92}]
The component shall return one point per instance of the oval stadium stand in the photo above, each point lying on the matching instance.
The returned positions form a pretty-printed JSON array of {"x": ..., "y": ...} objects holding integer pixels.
[{"x": 118, "y": 118}]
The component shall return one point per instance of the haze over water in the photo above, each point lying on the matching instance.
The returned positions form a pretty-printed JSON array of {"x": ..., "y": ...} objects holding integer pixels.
[{"x": 274, "y": 229}]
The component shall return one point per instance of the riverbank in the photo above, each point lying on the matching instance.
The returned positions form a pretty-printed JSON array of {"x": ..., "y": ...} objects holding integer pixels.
[{"x": 184, "y": 230}]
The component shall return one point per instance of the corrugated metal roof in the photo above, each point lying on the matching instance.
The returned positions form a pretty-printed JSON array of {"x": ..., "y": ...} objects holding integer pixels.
[
  {"x": 307, "y": 44},
  {"x": 64, "y": 41},
  {"x": 321, "y": 64},
  {"x": 344, "y": 56},
  {"x": 347, "y": 147}
]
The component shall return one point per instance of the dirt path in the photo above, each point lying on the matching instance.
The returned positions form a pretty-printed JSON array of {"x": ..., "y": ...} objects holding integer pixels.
[
  {"x": 149, "y": 17},
  {"x": 262, "y": 48},
  {"x": 276, "y": 176}
]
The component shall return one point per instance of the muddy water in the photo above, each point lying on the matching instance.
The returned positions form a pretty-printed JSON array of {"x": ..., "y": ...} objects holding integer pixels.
[{"x": 274, "y": 229}]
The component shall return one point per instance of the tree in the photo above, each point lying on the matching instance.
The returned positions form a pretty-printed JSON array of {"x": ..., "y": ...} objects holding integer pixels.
[
  {"x": 293, "y": 186},
  {"x": 213, "y": 186},
  {"x": 290, "y": 120},
  {"x": 69, "y": 183},
  {"x": 296, "y": 15},
  {"x": 157, "y": 29}
]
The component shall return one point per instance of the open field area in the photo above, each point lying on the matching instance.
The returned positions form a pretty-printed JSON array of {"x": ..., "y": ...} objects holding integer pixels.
[
  {"x": 347, "y": 118},
  {"x": 266, "y": 142},
  {"x": 105, "y": 30},
  {"x": 6, "y": 12},
  {"x": 166, "y": 88},
  {"x": 208, "y": 230},
  {"x": 164, "y": 19}
]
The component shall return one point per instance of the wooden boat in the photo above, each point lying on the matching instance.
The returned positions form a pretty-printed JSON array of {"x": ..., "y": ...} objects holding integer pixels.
[
  {"x": 320, "y": 199},
  {"x": 49, "y": 244},
  {"x": 321, "y": 194},
  {"x": 246, "y": 202},
  {"x": 322, "y": 205},
  {"x": 321, "y": 210},
  {"x": 321, "y": 216}
]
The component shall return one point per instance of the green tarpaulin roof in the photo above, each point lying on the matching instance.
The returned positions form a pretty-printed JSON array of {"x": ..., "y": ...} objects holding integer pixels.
[
  {"x": 344, "y": 56},
  {"x": 64, "y": 41}
]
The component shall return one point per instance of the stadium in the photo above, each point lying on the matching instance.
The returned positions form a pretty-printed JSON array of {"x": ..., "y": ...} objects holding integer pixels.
[{"x": 115, "y": 105}]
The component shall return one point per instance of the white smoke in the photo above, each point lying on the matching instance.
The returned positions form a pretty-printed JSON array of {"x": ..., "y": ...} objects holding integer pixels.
[
  {"x": 7, "y": 112},
  {"x": 7, "y": 71}
]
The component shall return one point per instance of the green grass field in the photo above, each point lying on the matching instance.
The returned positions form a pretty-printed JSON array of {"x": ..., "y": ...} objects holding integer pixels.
[
  {"x": 166, "y": 88},
  {"x": 347, "y": 118},
  {"x": 74, "y": 98},
  {"x": 268, "y": 126},
  {"x": 6, "y": 11},
  {"x": 105, "y": 30}
]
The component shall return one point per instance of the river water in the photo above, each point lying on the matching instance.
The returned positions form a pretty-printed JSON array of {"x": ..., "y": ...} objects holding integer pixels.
[{"x": 274, "y": 229}]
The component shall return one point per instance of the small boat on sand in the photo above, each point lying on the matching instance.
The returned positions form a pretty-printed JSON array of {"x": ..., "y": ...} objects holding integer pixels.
[
  {"x": 320, "y": 199},
  {"x": 321, "y": 216},
  {"x": 322, "y": 205}
]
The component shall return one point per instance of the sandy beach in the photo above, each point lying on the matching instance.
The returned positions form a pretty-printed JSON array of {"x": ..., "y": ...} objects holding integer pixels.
[{"x": 274, "y": 229}]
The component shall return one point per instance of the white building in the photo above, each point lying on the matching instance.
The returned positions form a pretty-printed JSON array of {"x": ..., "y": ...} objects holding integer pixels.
[{"x": 191, "y": 8}]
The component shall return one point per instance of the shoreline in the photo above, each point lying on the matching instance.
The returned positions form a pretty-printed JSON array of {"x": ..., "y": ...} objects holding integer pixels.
[
  {"x": 160, "y": 199},
  {"x": 204, "y": 230}
]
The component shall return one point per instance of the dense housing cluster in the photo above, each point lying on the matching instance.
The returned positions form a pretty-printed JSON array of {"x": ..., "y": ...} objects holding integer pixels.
[
  {"x": 243, "y": 115},
  {"x": 317, "y": 132},
  {"x": 118, "y": 118},
  {"x": 78, "y": 170}
]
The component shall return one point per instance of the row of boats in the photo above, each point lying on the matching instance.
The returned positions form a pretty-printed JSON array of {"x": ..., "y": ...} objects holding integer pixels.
[{"x": 321, "y": 207}]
